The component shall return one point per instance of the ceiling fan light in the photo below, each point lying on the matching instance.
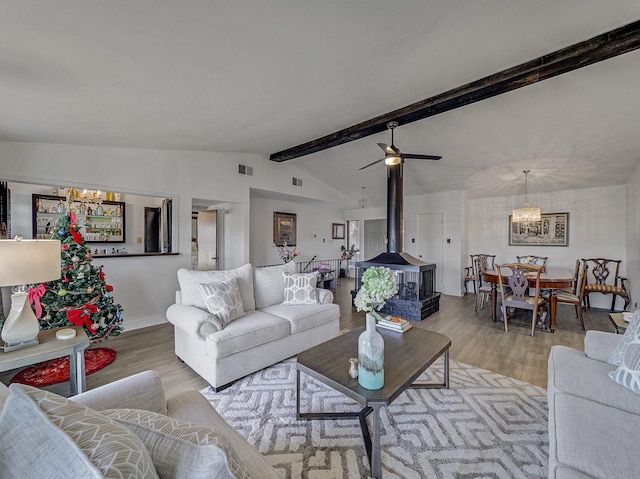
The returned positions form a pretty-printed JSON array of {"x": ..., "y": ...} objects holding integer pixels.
[{"x": 392, "y": 160}]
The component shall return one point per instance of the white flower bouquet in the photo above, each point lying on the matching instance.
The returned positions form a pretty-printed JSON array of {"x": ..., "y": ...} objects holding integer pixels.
[{"x": 378, "y": 285}]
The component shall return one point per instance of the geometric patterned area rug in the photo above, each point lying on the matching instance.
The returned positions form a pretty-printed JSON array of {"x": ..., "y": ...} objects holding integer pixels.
[{"x": 485, "y": 426}]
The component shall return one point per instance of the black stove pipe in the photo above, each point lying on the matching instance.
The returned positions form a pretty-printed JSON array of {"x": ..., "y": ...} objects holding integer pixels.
[{"x": 394, "y": 208}]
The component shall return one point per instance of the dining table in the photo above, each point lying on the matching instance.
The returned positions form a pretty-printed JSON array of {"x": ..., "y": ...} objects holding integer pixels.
[{"x": 551, "y": 279}]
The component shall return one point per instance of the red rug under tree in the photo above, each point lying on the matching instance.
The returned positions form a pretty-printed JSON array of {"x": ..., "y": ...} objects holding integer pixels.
[{"x": 56, "y": 370}]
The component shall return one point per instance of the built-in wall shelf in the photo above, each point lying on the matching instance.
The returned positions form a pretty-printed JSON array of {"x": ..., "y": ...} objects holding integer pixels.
[{"x": 97, "y": 223}]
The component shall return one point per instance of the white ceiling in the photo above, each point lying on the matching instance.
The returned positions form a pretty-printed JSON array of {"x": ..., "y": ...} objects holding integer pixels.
[{"x": 259, "y": 76}]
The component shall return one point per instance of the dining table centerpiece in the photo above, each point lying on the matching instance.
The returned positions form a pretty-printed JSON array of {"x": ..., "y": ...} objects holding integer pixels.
[{"x": 378, "y": 285}]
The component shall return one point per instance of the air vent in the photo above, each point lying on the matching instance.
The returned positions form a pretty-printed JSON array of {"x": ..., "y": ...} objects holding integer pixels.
[
  {"x": 296, "y": 181},
  {"x": 245, "y": 170}
]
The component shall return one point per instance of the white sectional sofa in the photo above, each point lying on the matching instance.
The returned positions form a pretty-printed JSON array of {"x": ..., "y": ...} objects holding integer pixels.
[
  {"x": 183, "y": 436},
  {"x": 594, "y": 422},
  {"x": 267, "y": 333}
]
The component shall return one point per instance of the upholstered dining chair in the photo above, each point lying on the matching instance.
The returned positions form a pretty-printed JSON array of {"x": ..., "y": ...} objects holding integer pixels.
[
  {"x": 606, "y": 280},
  {"x": 517, "y": 278},
  {"x": 483, "y": 289},
  {"x": 471, "y": 272},
  {"x": 576, "y": 294},
  {"x": 533, "y": 261}
]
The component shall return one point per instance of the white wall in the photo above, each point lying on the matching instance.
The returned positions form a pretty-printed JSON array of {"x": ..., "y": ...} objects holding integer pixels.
[
  {"x": 633, "y": 237},
  {"x": 597, "y": 228},
  {"x": 145, "y": 286},
  {"x": 313, "y": 230},
  {"x": 450, "y": 204}
]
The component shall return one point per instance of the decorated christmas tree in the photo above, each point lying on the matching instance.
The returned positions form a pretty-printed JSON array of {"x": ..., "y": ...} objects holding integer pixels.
[{"x": 81, "y": 297}]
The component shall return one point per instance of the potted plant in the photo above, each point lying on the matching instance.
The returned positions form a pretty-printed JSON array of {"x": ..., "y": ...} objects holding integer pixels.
[
  {"x": 346, "y": 255},
  {"x": 286, "y": 254}
]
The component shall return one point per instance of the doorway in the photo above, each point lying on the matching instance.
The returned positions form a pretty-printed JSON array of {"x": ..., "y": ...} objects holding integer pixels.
[
  {"x": 151, "y": 229},
  {"x": 430, "y": 243},
  {"x": 375, "y": 238},
  {"x": 207, "y": 240}
]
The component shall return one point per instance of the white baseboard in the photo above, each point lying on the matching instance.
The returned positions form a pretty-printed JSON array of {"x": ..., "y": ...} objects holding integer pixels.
[{"x": 138, "y": 323}]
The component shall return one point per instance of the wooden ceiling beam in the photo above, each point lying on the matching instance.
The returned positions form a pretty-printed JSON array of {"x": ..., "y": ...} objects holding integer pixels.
[{"x": 602, "y": 47}]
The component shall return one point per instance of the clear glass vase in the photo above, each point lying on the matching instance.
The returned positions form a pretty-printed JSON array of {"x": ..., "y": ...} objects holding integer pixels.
[{"x": 371, "y": 356}]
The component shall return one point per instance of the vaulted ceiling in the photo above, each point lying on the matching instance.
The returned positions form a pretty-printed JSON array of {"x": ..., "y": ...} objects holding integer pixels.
[{"x": 259, "y": 77}]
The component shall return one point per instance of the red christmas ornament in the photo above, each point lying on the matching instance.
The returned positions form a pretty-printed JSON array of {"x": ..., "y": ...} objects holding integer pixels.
[
  {"x": 76, "y": 236},
  {"x": 108, "y": 286},
  {"x": 83, "y": 315}
]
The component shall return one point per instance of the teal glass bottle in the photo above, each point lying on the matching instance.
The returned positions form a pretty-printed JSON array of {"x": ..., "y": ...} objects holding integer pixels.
[{"x": 371, "y": 356}]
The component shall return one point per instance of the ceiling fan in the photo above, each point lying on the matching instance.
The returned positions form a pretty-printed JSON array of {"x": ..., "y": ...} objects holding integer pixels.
[{"x": 393, "y": 156}]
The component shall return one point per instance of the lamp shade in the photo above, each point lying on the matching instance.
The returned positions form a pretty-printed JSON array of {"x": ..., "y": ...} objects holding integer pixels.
[{"x": 29, "y": 261}]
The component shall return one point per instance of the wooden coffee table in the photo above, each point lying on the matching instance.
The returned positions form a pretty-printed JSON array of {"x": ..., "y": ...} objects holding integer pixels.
[
  {"x": 619, "y": 324},
  {"x": 406, "y": 357}
]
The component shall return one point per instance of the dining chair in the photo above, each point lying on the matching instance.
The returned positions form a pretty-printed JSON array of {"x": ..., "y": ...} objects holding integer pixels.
[
  {"x": 517, "y": 278},
  {"x": 606, "y": 280},
  {"x": 483, "y": 291},
  {"x": 471, "y": 272},
  {"x": 576, "y": 294},
  {"x": 533, "y": 261}
]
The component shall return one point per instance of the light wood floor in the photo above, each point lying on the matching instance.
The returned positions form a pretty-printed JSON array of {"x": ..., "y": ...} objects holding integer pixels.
[{"x": 476, "y": 340}]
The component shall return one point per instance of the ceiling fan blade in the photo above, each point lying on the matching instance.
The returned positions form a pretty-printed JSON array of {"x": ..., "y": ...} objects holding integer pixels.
[
  {"x": 412, "y": 156},
  {"x": 388, "y": 150},
  {"x": 371, "y": 164}
]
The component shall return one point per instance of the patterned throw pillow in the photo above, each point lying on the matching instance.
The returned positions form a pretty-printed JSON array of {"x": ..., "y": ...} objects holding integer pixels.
[
  {"x": 46, "y": 435},
  {"x": 300, "y": 288},
  {"x": 615, "y": 358},
  {"x": 180, "y": 449},
  {"x": 628, "y": 373},
  {"x": 223, "y": 300}
]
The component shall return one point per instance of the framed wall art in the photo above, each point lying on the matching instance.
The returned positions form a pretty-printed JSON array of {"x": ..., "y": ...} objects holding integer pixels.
[
  {"x": 284, "y": 228},
  {"x": 551, "y": 230},
  {"x": 337, "y": 230}
]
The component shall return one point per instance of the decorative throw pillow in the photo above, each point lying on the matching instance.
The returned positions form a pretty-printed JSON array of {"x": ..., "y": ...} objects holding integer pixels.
[
  {"x": 180, "y": 449},
  {"x": 46, "y": 435},
  {"x": 615, "y": 358},
  {"x": 269, "y": 284},
  {"x": 189, "y": 281},
  {"x": 628, "y": 372},
  {"x": 223, "y": 300},
  {"x": 300, "y": 288}
]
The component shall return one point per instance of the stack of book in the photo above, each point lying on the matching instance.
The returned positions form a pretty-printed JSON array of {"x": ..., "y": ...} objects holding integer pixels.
[{"x": 394, "y": 324}]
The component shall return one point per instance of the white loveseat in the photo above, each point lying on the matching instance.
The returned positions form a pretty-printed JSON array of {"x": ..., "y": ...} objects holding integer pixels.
[{"x": 267, "y": 333}]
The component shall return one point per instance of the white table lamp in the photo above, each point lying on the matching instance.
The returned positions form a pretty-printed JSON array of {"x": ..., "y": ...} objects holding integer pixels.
[{"x": 24, "y": 262}]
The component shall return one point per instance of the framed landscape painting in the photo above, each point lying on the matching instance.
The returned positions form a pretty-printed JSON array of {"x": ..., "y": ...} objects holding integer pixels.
[
  {"x": 551, "y": 230},
  {"x": 284, "y": 228}
]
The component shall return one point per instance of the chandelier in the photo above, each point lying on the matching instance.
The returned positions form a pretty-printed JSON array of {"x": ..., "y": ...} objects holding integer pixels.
[
  {"x": 527, "y": 214},
  {"x": 363, "y": 200}
]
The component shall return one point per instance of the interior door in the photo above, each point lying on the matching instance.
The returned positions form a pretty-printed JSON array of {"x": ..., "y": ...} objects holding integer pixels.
[
  {"x": 430, "y": 243},
  {"x": 207, "y": 240},
  {"x": 375, "y": 232}
]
